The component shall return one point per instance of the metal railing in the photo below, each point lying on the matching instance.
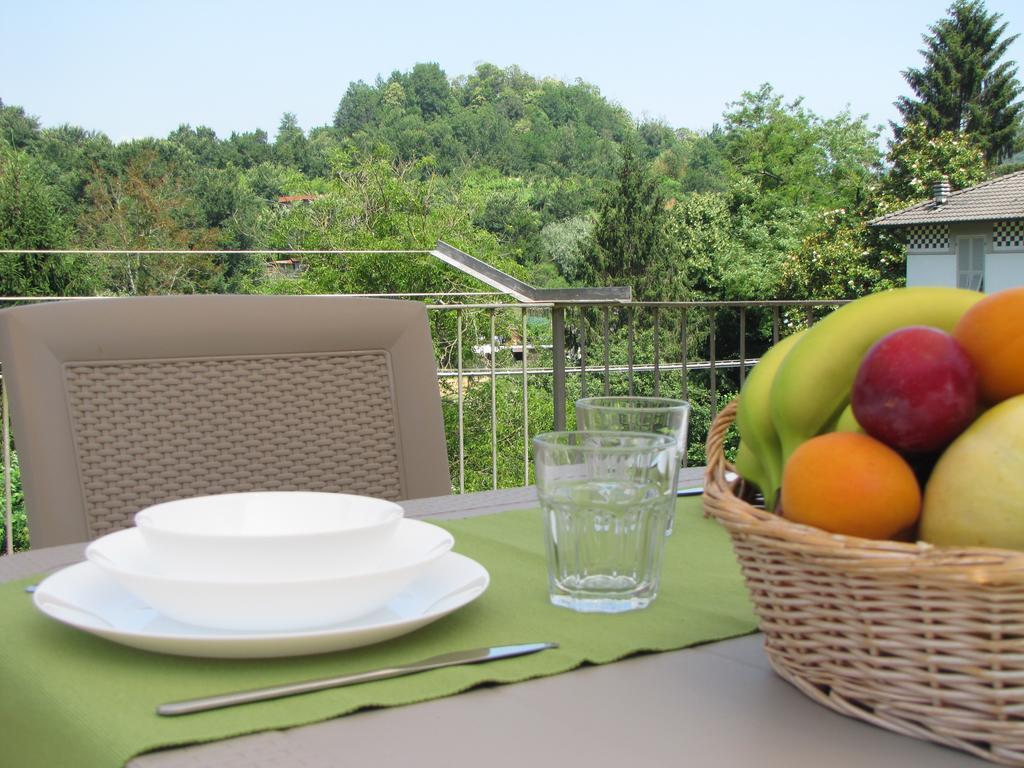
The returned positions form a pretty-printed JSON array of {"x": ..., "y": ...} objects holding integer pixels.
[{"x": 700, "y": 351}]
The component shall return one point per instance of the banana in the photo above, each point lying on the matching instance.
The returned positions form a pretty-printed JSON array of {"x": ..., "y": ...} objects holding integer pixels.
[
  {"x": 847, "y": 422},
  {"x": 754, "y": 422},
  {"x": 749, "y": 466},
  {"x": 812, "y": 386}
]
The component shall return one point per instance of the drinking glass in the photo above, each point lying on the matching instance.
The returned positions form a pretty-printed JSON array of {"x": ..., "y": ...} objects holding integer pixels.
[
  {"x": 605, "y": 498},
  {"x": 660, "y": 415}
]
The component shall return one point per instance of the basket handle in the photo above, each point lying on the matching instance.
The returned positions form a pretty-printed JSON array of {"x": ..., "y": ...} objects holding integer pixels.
[{"x": 718, "y": 465}]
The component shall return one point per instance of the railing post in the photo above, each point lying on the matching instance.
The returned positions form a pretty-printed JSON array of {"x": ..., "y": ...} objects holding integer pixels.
[
  {"x": 494, "y": 405},
  {"x": 743, "y": 345},
  {"x": 606, "y": 347},
  {"x": 657, "y": 352},
  {"x": 558, "y": 364},
  {"x": 526, "y": 411},
  {"x": 458, "y": 387},
  {"x": 583, "y": 353},
  {"x": 682, "y": 343},
  {"x": 712, "y": 354},
  {"x": 629, "y": 347},
  {"x": 6, "y": 437}
]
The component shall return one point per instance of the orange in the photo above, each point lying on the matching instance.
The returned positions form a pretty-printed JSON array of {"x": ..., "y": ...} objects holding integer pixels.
[
  {"x": 849, "y": 483},
  {"x": 992, "y": 333}
]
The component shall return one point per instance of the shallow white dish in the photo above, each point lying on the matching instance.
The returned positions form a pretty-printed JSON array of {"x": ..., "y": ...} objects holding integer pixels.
[
  {"x": 84, "y": 597},
  {"x": 271, "y": 605},
  {"x": 267, "y": 535}
]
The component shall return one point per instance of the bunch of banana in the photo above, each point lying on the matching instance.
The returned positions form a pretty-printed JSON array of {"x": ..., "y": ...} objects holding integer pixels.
[
  {"x": 759, "y": 458},
  {"x": 801, "y": 387}
]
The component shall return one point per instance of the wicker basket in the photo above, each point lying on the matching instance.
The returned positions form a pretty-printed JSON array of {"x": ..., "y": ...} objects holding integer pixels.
[{"x": 924, "y": 641}]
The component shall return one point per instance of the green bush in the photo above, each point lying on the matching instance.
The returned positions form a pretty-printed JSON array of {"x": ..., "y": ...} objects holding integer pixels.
[{"x": 18, "y": 519}]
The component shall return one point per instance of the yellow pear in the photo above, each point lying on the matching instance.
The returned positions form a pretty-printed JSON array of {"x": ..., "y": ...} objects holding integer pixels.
[{"x": 975, "y": 495}]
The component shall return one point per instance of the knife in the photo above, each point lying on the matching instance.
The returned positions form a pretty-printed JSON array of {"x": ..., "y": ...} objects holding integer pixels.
[
  {"x": 699, "y": 490},
  {"x": 690, "y": 491},
  {"x": 474, "y": 656}
]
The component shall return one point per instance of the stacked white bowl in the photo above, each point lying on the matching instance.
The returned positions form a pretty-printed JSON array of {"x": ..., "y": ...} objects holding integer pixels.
[{"x": 269, "y": 561}]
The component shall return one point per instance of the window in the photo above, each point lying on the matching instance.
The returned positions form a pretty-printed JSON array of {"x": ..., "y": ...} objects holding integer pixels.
[{"x": 970, "y": 262}]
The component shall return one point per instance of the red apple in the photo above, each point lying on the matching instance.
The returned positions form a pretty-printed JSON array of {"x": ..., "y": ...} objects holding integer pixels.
[{"x": 916, "y": 389}]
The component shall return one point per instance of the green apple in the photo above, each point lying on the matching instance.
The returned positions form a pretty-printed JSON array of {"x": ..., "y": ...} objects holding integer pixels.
[{"x": 975, "y": 495}]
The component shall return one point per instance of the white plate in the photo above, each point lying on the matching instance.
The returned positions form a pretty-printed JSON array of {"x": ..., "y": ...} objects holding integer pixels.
[{"x": 84, "y": 597}]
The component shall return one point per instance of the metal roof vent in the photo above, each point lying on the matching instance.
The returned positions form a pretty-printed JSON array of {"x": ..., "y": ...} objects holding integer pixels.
[{"x": 941, "y": 190}]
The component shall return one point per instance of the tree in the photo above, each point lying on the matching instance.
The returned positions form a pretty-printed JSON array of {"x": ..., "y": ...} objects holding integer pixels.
[
  {"x": 628, "y": 238},
  {"x": 963, "y": 87},
  {"x": 656, "y": 137},
  {"x": 562, "y": 242},
  {"x": 291, "y": 147},
  {"x": 30, "y": 219},
  {"x": 250, "y": 149},
  {"x": 706, "y": 169},
  {"x": 28, "y": 212},
  {"x": 787, "y": 156},
  {"x": 70, "y": 156},
  {"x": 17, "y": 129},
  {"x": 357, "y": 109},
  {"x": 201, "y": 142},
  {"x": 920, "y": 159},
  {"x": 700, "y": 237},
  {"x": 147, "y": 204},
  {"x": 786, "y": 167},
  {"x": 430, "y": 90},
  {"x": 504, "y": 206},
  {"x": 843, "y": 259}
]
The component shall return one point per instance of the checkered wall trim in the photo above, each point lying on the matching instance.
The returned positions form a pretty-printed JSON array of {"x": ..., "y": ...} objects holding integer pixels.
[
  {"x": 928, "y": 237},
  {"x": 1008, "y": 234}
]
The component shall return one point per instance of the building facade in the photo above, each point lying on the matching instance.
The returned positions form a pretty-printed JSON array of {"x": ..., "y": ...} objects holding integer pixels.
[{"x": 971, "y": 238}]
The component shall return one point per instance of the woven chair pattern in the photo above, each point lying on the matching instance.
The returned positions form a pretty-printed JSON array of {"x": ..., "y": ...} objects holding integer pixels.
[{"x": 155, "y": 430}]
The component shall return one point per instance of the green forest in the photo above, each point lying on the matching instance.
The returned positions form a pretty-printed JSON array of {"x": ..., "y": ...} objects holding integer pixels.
[{"x": 547, "y": 180}]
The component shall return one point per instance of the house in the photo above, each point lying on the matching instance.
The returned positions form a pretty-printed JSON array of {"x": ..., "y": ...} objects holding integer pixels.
[
  {"x": 286, "y": 201},
  {"x": 971, "y": 238}
]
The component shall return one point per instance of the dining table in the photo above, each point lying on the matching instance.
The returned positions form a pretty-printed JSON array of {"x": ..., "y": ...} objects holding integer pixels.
[{"x": 713, "y": 704}]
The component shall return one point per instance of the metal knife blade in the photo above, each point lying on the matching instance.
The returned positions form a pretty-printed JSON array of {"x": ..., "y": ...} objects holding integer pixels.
[{"x": 473, "y": 656}]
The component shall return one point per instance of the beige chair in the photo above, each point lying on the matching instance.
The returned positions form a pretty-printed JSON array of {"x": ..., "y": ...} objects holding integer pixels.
[{"x": 117, "y": 404}]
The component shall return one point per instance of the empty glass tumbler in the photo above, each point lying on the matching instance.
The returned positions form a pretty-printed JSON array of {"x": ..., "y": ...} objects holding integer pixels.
[
  {"x": 605, "y": 497},
  {"x": 660, "y": 415}
]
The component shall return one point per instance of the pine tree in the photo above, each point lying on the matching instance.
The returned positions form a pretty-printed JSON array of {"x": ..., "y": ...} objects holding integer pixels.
[
  {"x": 963, "y": 87},
  {"x": 628, "y": 238}
]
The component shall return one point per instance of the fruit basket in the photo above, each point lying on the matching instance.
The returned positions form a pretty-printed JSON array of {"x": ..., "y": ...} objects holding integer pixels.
[{"x": 924, "y": 641}]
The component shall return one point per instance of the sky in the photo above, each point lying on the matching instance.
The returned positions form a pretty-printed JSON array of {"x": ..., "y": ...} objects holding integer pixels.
[{"x": 142, "y": 68}]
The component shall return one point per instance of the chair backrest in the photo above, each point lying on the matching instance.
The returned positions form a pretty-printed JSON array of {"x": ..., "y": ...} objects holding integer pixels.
[{"x": 117, "y": 404}]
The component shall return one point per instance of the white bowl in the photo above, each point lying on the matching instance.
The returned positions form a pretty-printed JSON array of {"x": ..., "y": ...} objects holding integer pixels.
[
  {"x": 271, "y": 605},
  {"x": 272, "y": 535}
]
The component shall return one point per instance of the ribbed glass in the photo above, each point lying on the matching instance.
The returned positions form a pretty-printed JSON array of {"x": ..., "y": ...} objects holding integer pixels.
[
  {"x": 657, "y": 415},
  {"x": 606, "y": 497}
]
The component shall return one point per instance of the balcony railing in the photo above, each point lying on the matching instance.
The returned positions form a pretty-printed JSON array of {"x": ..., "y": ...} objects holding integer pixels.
[
  {"x": 508, "y": 371},
  {"x": 556, "y": 353}
]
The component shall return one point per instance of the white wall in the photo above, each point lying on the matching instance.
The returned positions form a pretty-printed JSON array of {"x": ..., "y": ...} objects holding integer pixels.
[
  {"x": 1004, "y": 265},
  {"x": 931, "y": 269},
  {"x": 1003, "y": 269}
]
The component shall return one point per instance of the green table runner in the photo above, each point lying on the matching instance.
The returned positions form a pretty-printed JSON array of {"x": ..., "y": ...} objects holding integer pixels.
[{"x": 68, "y": 698}]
